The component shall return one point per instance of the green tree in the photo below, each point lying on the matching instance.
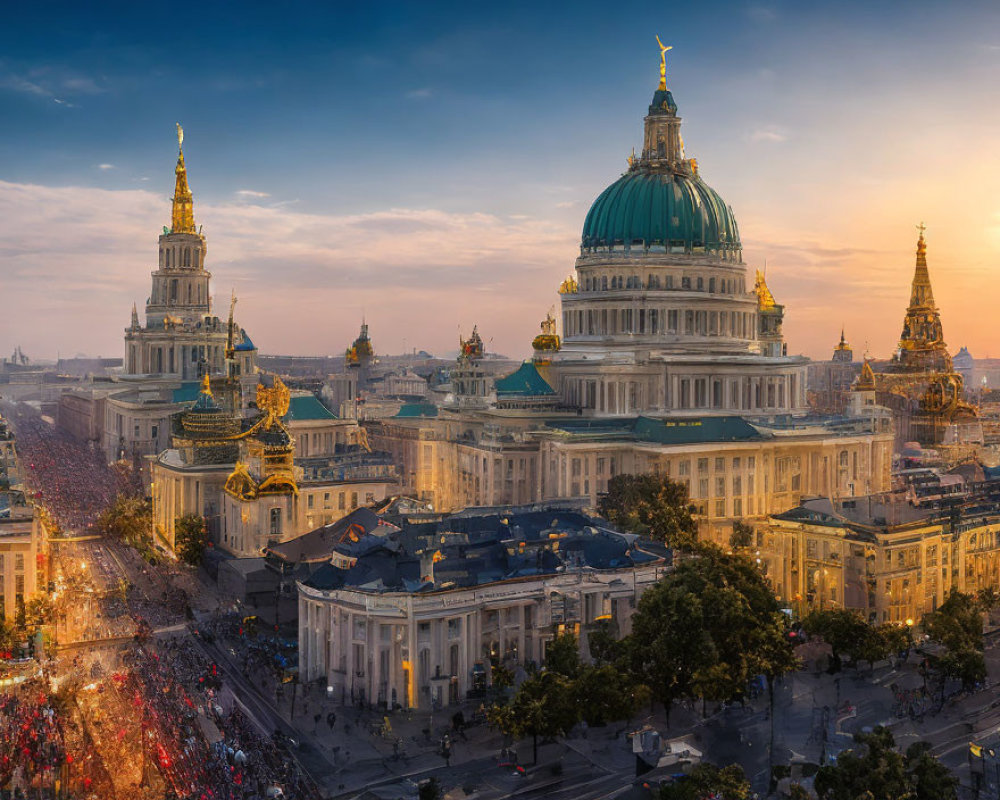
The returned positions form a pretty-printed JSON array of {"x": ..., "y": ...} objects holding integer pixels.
[
  {"x": 129, "y": 520},
  {"x": 931, "y": 780},
  {"x": 190, "y": 538},
  {"x": 742, "y": 536},
  {"x": 707, "y": 780},
  {"x": 707, "y": 629},
  {"x": 958, "y": 626},
  {"x": 606, "y": 694},
  {"x": 562, "y": 655},
  {"x": 874, "y": 768},
  {"x": 544, "y": 706},
  {"x": 652, "y": 506}
]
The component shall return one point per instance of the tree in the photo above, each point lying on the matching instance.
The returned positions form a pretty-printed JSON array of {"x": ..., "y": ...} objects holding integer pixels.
[
  {"x": 742, "y": 536},
  {"x": 707, "y": 629},
  {"x": 653, "y": 506},
  {"x": 129, "y": 520},
  {"x": 930, "y": 778},
  {"x": 543, "y": 706},
  {"x": 606, "y": 694},
  {"x": 707, "y": 780},
  {"x": 562, "y": 655},
  {"x": 958, "y": 626},
  {"x": 190, "y": 538},
  {"x": 876, "y": 769}
]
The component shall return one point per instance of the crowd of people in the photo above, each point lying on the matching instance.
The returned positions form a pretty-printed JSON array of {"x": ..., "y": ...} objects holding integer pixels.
[
  {"x": 32, "y": 751},
  {"x": 69, "y": 478},
  {"x": 174, "y": 684}
]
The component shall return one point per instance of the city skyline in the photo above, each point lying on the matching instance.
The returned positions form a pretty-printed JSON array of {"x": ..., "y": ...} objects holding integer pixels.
[{"x": 419, "y": 172}]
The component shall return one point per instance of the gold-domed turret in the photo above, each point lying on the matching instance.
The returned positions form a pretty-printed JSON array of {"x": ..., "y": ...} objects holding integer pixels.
[{"x": 182, "y": 216}]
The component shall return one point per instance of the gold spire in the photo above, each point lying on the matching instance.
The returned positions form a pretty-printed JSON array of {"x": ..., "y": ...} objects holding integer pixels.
[
  {"x": 663, "y": 63},
  {"x": 182, "y": 217},
  {"x": 921, "y": 295}
]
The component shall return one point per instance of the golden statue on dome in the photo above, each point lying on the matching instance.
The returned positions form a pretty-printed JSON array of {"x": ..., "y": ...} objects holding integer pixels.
[{"x": 663, "y": 63}]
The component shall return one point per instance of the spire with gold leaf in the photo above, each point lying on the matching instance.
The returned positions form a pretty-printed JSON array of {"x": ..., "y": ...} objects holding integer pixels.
[
  {"x": 182, "y": 216},
  {"x": 765, "y": 300},
  {"x": 921, "y": 343}
]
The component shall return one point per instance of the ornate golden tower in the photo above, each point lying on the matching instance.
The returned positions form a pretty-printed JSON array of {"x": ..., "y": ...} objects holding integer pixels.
[
  {"x": 921, "y": 344},
  {"x": 182, "y": 218}
]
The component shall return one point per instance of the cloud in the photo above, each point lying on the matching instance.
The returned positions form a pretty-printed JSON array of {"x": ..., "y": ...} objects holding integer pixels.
[
  {"x": 105, "y": 166},
  {"x": 759, "y": 13},
  {"x": 771, "y": 134},
  {"x": 419, "y": 94},
  {"x": 301, "y": 277},
  {"x": 250, "y": 194},
  {"x": 50, "y": 83}
]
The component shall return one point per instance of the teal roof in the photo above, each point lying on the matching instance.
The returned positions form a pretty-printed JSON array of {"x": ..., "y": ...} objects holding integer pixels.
[
  {"x": 524, "y": 382},
  {"x": 655, "y": 207},
  {"x": 694, "y": 430},
  {"x": 417, "y": 410},
  {"x": 307, "y": 407},
  {"x": 681, "y": 430},
  {"x": 188, "y": 392}
]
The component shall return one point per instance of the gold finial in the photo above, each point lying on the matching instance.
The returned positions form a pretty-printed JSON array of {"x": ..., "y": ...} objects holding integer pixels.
[
  {"x": 206, "y": 385},
  {"x": 631, "y": 159},
  {"x": 180, "y": 137},
  {"x": 663, "y": 63}
]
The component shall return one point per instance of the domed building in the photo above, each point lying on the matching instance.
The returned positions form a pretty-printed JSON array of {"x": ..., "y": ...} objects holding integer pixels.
[
  {"x": 670, "y": 361},
  {"x": 659, "y": 317}
]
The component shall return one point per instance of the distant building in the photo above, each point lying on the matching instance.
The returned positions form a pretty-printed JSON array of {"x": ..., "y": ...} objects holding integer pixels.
[
  {"x": 920, "y": 385},
  {"x": 828, "y": 383}
]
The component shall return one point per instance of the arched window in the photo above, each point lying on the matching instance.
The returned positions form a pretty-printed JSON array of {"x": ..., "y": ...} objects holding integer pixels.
[
  {"x": 711, "y": 285},
  {"x": 604, "y": 283}
]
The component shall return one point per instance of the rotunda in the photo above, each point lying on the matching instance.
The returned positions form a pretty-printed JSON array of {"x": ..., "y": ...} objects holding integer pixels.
[{"x": 659, "y": 317}]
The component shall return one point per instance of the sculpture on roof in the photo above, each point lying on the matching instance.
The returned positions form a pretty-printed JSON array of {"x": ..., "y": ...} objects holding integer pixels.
[{"x": 663, "y": 63}]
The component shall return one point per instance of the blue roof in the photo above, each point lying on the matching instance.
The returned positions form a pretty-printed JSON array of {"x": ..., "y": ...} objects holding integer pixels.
[
  {"x": 417, "y": 410},
  {"x": 246, "y": 344},
  {"x": 307, "y": 407},
  {"x": 188, "y": 392},
  {"x": 524, "y": 382}
]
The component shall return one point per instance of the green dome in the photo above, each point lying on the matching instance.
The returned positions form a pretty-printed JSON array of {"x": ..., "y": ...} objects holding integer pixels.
[{"x": 671, "y": 209}]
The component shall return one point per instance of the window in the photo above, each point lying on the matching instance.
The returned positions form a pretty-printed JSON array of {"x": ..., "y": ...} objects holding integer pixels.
[
  {"x": 153, "y": 431},
  {"x": 720, "y": 464},
  {"x": 720, "y": 487},
  {"x": 369, "y": 498},
  {"x": 275, "y": 521},
  {"x": 702, "y": 466},
  {"x": 703, "y": 488},
  {"x": 720, "y": 508},
  {"x": 309, "y": 500},
  {"x": 684, "y": 468},
  {"x": 354, "y": 500},
  {"x": 19, "y": 562},
  {"x": 341, "y": 501}
]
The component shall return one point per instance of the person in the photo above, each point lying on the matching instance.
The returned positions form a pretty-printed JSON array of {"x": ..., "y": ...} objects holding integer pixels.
[{"x": 331, "y": 720}]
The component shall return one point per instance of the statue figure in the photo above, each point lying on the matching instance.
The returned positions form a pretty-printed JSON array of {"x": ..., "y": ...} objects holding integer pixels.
[{"x": 663, "y": 63}]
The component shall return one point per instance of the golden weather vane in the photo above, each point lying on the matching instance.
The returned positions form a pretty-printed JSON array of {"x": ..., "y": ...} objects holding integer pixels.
[{"x": 663, "y": 63}]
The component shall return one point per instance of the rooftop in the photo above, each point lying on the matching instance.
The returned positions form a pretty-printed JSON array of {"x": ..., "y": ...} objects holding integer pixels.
[{"x": 463, "y": 551}]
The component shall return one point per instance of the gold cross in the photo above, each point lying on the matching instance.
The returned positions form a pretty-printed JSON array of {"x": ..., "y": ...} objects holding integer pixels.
[{"x": 921, "y": 227}]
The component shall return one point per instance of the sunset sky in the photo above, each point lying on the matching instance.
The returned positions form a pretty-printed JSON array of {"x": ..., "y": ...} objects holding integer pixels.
[{"x": 430, "y": 164}]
